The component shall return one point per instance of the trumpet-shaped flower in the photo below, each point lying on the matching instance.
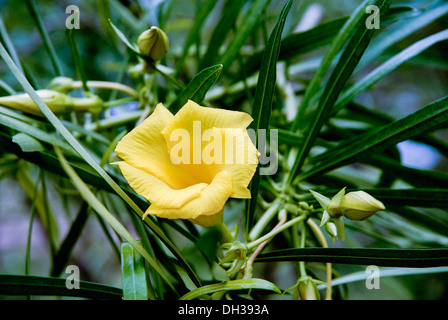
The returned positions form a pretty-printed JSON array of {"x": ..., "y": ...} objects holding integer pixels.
[{"x": 189, "y": 164}]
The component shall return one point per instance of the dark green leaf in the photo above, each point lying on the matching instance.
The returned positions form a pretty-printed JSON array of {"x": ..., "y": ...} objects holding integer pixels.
[
  {"x": 422, "y": 121},
  {"x": 341, "y": 73},
  {"x": 250, "y": 21},
  {"x": 230, "y": 12},
  {"x": 417, "y": 258},
  {"x": 195, "y": 31},
  {"x": 262, "y": 106},
  {"x": 17, "y": 285},
  {"x": 197, "y": 88}
]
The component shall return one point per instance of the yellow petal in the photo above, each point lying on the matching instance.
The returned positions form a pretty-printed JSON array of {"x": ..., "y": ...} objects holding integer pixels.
[
  {"x": 240, "y": 158},
  {"x": 145, "y": 148},
  {"x": 211, "y": 200},
  {"x": 157, "y": 191},
  {"x": 195, "y": 120}
]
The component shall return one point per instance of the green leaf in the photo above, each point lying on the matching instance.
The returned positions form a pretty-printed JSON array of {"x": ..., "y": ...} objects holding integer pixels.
[
  {"x": 229, "y": 14},
  {"x": 45, "y": 37},
  {"x": 354, "y": 22},
  {"x": 417, "y": 258},
  {"x": 195, "y": 31},
  {"x": 17, "y": 285},
  {"x": 402, "y": 29},
  {"x": 96, "y": 205},
  {"x": 262, "y": 106},
  {"x": 302, "y": 42},
  {"x": 197, "y": 88},
  {"x": 244, "y": 284},
  {"x": 250, "y": 21},
  {"x": 341, "y": 73},
  {"x": 63, "y": 254},
  {"x": 422, "y": 121},
  {"x": 124, "y": 39},
  {"x": 387, "y": 67},
  {"x": 92, "y": 163},
  {"x": 27, "y": 143},
  {"x": 133, "y": 274},
  {"x": 79, "y": 66},
  {"x": 299, "y": 43},
  {"x": 384, "y": 272}
]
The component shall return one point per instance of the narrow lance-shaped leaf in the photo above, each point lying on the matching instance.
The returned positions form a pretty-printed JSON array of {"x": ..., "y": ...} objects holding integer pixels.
[
  {"x": 387, "y": 67},
  {"x": 17, "y": 285},
  {"x": 244, "y": 284},
  {"x": 424, "y": 120},
  {"x": 46, "y": 38},
  {"x": 87, "y": 158},
  {"x": 341, "y": 73},
  {"x": 96, "y": 205},
  {"x": 133, "y": 274},
  {"x": 197, "y": 87},
  {"x": 250, "y": 20},
  {"x": 195, "y": 31},
  {"x": 344, "y": 33},
  {"x": 79, "y": 66},
  {"x": 365, "y": 256},
  {"x": 262, "y": 106},
  {"x": 230, "y": 12}
]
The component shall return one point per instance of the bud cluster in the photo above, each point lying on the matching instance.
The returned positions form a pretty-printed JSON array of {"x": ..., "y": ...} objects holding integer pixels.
[{"x": 356, "y": 205}]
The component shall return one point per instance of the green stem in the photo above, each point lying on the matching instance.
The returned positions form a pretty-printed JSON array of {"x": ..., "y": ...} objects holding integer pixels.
[
  {"x": 274, "y": 232},
  {"x": 265, "y": 219},
  {"x": 302, "y": 268},
  {"x": 110, "y": 85}
]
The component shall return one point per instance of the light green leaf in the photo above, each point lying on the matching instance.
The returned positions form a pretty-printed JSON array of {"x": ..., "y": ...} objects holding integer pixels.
[
  {"x": 27, "y": 143},
  {"x": 197, "y": 88},
  {"x": 244, "y": 284},
  {"x": 133, "y": 274}
]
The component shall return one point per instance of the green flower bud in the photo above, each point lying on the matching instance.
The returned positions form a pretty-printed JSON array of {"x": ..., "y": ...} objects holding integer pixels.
[
  {"x": 331, "y": 206},
  {"x": 153, "y": 43},
  {"x": 56, "y": 101},
  {"x": 331, "y": 229},
  {"x": 308, "y": 290},
  {"x": 359, "y": 205},
  {"x": 61, "y": 84}
]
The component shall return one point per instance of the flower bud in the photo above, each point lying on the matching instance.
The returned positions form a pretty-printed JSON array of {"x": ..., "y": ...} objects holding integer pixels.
[
  {"x": 359, "y": 205},
  {"x": 61, "y": 84},
  {"x": 56, "y": 101},
  {"x": 331, "y": 229},
  {"x": 153, "y": 43},
  {"x": 308, "y": 290}
]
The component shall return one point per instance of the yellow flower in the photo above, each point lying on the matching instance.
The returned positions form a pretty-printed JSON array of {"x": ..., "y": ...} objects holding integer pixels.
[{"x": 187, "y": 165}]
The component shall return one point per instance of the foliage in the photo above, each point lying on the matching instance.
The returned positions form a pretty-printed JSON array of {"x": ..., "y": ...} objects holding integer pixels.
[{"x": 337, "y": 94}]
